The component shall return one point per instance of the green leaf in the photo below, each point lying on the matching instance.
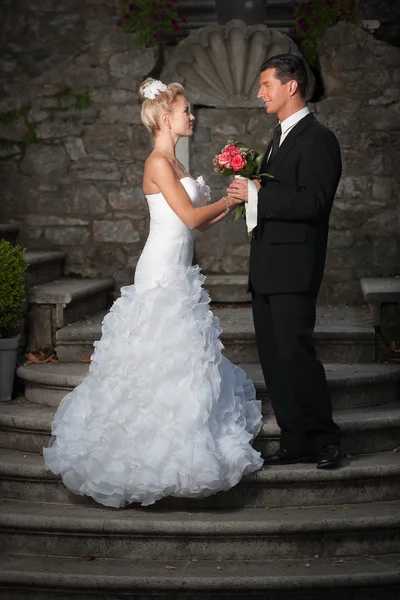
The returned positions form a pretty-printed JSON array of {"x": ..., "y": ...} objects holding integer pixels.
[
  {"x": 240, "y": 212},
  {"x": 258, "y": 160},
  {"x": 227, "y": 172}
]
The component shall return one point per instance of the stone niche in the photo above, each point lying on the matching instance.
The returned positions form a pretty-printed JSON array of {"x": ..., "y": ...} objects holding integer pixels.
[{"x": 219, "y": 65}]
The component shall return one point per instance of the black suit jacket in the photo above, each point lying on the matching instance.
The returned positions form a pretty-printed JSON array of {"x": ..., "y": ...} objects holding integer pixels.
[{"x": 288, "y": 248}]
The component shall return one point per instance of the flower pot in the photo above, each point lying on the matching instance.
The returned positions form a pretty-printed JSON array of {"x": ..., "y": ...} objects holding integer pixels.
[
  {"x": 8, "y": 360},
  {"x": 251, "y": 11}
]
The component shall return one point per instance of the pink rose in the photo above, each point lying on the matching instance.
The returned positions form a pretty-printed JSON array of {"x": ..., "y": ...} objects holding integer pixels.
[
  {"x": 224, "y": 159},
  {"x": 238, "y": 162},
  {"x": 232, "y": 149}
]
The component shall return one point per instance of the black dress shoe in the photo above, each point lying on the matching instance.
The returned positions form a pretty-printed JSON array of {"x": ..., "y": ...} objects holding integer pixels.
[
  {"x": 287, "y": 457},
  {"x": 329, "y": 457}
]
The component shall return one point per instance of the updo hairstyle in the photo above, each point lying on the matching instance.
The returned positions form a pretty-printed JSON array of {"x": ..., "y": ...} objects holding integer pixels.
[{"x": 151, "y": 109}]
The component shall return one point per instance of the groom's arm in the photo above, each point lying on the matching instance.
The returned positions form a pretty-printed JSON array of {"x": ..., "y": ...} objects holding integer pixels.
[{"x": 319, "y": 173}]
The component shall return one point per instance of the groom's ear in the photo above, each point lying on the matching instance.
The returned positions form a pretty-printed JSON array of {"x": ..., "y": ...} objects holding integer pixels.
[{"x": 293, "y": 87}]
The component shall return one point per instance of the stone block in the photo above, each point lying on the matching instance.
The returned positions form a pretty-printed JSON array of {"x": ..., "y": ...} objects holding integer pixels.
[
  {"x": 121, "y": 114},
  {"x": 383, "y": 297},
  {"x": 13, "y": 131},
  {"x": 75, "y": 148},
  {"x": 115, "y": 231},
  {"x": 382, "y": 188},
  {"x": 88, "y": 200},
  {"x": 67, "y": 236},
  {"x": 131, "y": 63},
  {"x": 58, "y": 129},
  {"x": 353, "y": 187},
  {"x": 340, "y": 239},
  {"x": 223, "y": 122},
  {"x": 113, "y": 95},
  {"x": 52, "y": 220},
  {"x": 41, "y": 159},
  {"x": 96, "y": 170},
  {"x": 78, "y": 76},
  {"x": 141, "y": 143},
  {"x": 133, "y": 174},
  {"x": 108, "y": 142},
  {"x": 127, "y": 198}
]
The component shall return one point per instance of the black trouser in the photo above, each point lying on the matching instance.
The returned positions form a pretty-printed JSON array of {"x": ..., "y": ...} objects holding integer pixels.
[{"x": 295, "y": 378}]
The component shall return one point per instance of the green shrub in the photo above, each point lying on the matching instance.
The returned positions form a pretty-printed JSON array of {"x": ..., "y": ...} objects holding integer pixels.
[{"x": 12, "y": 287}]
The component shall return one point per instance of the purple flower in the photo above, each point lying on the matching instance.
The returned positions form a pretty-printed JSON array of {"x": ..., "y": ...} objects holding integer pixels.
[
  {"x": 118, "y": 23},
  {"x": 133, "y": 7},
  {"x": 158, "y": 35},
  {"x": 126, "y": 16},
  {"x": 163, "y": 17},
  {"x": 184, "y": 20},
  {"x": 306, "y": 7},
  {"x": 176, "y": 27},
  {"x": 317, "y": 20},
  {"x": 156, "y": 17},
  {"x": 303, "y": 25}
]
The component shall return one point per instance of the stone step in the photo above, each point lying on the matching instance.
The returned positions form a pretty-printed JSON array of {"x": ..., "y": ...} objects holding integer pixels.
[
  {"x": 44, "y": 577},
  {"x": 342, "y": 334},
  {"x": 228, "y": 288},
  {"x": 246, "y": 534},
  {"x": 43, "y": 267},
  {"x": 25, "y": 426},
  {"x": 351, "y": 386},
  {"x": 55, "y": 304},
  {"x": 9, "y": 232},
  {"x": 364, "y": 478}
]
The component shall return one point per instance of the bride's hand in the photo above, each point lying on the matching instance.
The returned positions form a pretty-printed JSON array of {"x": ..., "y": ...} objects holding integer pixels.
[{"x": 234, "y": 201}]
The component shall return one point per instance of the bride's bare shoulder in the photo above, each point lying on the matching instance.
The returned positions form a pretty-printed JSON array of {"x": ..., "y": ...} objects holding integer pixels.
[
  {"x": 156, "y": 169},
  {"x": 157, "y": 166}
]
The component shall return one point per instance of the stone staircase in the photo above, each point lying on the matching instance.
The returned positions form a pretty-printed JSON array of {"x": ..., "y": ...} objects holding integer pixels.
[{"x": 282, "y": 531}]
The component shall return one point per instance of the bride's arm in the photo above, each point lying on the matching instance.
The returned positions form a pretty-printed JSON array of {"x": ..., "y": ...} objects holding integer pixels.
[
  {"x": 175, "y": 194},
  {"x": 221, "y": 217}
]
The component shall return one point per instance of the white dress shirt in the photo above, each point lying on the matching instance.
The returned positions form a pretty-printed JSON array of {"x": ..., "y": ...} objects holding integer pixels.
[
  {"x": 251, "y": 207},
  {"x": 288, "y": 124}
]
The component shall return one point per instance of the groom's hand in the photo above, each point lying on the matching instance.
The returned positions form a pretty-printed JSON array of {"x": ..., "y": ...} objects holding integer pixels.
[{"x": 239, "y": 189}]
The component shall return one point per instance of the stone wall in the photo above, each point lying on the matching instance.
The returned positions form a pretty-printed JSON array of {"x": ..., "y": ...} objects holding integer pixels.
[{"x": 72, "y": 146}]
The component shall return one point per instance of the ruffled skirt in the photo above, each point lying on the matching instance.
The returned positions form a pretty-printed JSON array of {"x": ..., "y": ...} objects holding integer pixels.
[{"x": 161, "y": 411}]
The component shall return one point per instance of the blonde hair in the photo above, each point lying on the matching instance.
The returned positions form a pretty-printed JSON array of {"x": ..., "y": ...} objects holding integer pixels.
[{"x": 151, "y": 109}]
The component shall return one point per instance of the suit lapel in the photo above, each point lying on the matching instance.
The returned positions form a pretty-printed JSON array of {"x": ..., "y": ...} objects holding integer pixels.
[{"x": 290, "y": 141}]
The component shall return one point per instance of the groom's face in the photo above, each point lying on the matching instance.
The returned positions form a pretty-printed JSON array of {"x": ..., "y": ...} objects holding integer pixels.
[{"x": 273, "y": 93}]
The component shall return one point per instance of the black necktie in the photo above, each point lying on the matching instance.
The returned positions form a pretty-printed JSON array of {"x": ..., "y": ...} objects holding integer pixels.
[{"x": 276, "y": 138}]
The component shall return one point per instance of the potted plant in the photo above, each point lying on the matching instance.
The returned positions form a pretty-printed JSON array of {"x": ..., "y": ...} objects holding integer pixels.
[
  {"x": 251, "y": 12},
  {"x": 12, "y": 306}
]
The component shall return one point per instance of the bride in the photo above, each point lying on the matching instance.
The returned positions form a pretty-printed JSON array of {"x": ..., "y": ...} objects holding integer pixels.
[{"x": 161, "y": 411}]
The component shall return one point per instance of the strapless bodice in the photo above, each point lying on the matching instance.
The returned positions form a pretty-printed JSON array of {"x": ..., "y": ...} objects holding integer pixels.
[{"x": 170, "y": 242}]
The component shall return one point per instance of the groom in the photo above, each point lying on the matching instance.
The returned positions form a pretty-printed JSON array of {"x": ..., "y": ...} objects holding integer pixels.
[{"x": 287, "y": 263}]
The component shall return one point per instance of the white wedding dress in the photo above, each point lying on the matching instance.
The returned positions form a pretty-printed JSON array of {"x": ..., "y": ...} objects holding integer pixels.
[{"x": 161, "y": 411}]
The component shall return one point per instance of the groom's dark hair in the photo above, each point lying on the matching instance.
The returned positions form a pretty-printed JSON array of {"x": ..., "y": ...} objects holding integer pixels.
[{"x": 288, "y": 67}]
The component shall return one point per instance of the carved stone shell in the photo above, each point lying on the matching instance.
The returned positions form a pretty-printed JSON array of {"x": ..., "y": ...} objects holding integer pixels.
[{"x": 219, "y": 64}]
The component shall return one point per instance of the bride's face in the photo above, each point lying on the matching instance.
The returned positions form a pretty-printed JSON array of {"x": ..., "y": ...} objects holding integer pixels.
[{"x": 181, "y": 119}]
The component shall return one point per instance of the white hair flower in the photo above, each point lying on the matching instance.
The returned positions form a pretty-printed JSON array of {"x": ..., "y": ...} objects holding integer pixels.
[{"x": 152, "y": 90}]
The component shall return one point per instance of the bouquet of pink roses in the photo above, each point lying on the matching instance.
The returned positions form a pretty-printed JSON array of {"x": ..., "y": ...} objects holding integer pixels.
[{"x": 237, "y": 159}]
